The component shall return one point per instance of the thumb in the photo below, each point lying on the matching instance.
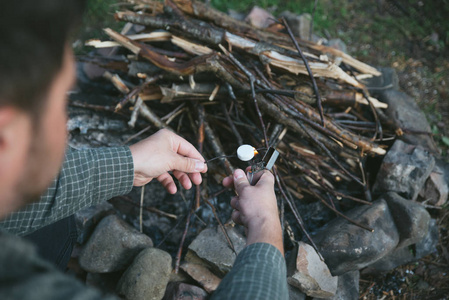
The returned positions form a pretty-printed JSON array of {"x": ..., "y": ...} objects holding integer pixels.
[
  {"x": 240, "y": 181},
  {"x": 188, "y": 165}
]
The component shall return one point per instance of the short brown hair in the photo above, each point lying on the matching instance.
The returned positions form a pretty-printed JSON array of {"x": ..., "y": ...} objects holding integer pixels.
[{"x": 33, "y": 35}]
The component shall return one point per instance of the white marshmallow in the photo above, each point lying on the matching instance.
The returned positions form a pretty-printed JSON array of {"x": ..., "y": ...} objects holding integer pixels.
[{"x": 245, "y": 152}]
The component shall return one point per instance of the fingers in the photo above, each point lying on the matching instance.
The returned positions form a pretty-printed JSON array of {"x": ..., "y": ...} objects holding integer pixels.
[
  {"x": 196, "y": 178},
  {"x": 168, "y": 183},
  {"x": 240, "y": 181},
  {"x": 266, "y": 178},
  {"x": 235, "y": 203},
  {"x": 188, "y": 165},
  {"x": 228, "y": 182},
  {"x": 184, "y": 148},
  {"x": 236, "y": 217},
  {"x": 183, "y": 178}
]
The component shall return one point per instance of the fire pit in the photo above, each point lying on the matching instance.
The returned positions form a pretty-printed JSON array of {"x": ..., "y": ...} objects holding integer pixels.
[{"x": 357, "y": 163}]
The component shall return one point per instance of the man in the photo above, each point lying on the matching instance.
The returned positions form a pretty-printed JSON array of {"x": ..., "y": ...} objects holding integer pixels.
[{"x": 36, "y": 71}]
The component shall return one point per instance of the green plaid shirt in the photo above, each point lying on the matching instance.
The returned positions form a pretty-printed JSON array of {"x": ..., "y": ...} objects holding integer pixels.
[{"x": 87, "y": 177}]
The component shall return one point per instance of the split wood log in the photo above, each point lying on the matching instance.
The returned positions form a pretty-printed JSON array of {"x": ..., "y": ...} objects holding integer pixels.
[{"x": 206, "y": 12}]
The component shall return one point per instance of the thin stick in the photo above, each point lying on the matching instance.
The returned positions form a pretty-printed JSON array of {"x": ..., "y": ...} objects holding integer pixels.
[
  {"x": 315, "y": 87},
  {"x": 200, "y": 109},
  {"x": 314, "y": 193},
  {"x": 231, "y": 124},
  {"x": 142, "y": 193},
  {"x": 137, "y": 135},
  {"x": 323, "y": 147},
  {"x": 294, "y": 210},
  {"x": 313, "y": 20},
  {"x": 186, "y": 229},
  {"x": 223, "y": 229},
  {"x": 252, "y": 80}
]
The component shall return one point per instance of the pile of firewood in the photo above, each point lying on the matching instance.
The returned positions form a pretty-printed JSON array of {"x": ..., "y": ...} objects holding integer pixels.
[{"x": 230, "y": 84}]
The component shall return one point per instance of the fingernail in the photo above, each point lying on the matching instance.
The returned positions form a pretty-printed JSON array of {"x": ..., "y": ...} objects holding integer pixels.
[
  {"x": 199, "y": 165},
  {"x": 238, "y": 174}
]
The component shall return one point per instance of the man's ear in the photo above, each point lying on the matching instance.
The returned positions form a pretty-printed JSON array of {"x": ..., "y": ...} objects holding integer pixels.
[
  {"x": 7, "y": 116},
  {"x": 14, "y": 126}
]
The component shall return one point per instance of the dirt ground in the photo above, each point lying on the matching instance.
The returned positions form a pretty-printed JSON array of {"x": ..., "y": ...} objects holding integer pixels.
[{"x": 412, "y": 37}]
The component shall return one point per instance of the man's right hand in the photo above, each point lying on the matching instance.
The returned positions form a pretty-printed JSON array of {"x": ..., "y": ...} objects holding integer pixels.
[{"x": 255, "y": 208}]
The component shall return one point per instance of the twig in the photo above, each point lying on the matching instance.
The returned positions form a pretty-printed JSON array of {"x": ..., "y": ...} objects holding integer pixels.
[
  {"x": 186, "y": 229},
  {"x": 252, "y": 80},
  {"x": 294, "y": 210},
  {"x": 223, "y": 229},
  {"x": 136, "y": 135},
  {"x": 231, "y": 124},
  {"x": 142, "y": 193},
  {"x": 315, "y": 87},
  {"x": 339, "y": 213}
]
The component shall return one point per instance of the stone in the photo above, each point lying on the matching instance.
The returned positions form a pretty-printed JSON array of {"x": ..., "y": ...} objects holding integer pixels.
[
  {"x": 259, "y": 17},
  {"x": 201, "y": 274},
  {"x": 295, "y": 294},
  {"x": 411, "y": 218},
  {"x": 235, "y": 14},
  {"x": 211, "y": 247},
  {"x": 147, "y": 277},
  {"x": 311, "y": 274},
  {"x": 436, "y": 188},
  {"x": 112, "y": 246},
  {"x": 87, "y": 218},
  {"x": 389, "y": 80},
  {"x": 347, "y": 247},
  {"x": 404, "y": 170},
  {"x": 407, "y": 254},
  {"x": 405, "y": 114},
  {"x": 339, "y": 45},
  {"x": 299, "y": 24},
  {"x": 183, "y": 291},
  {"x": 348, "y": 287}
]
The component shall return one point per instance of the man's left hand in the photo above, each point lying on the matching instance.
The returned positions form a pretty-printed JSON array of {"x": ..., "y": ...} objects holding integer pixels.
[{"x": 163, "y": 152}]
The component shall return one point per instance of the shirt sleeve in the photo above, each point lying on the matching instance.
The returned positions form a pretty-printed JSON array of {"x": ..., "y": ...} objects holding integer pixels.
[
  {"x": 259, "y": 272},
  {"x": 87, "y": 177}
]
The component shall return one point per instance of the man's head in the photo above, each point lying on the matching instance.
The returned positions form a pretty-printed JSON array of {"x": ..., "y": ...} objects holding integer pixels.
[{"x": 36, "y": 71}]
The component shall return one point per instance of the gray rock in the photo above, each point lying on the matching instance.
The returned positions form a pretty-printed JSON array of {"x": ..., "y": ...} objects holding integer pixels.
[
  {"x": 236, "y": 14},
  {"x": 311, "y": 274},
  {"x": 147, "y": 277},
  {"x": 259, "y": 17},
  {"x": 201, "y": 274},
  {"x": 211, "y": 247},
  {"x": 347, "y": 247},
  {"x": 389, "y": 80},
  {"x": 112, "y": 246},
  {"x": 411, "y": 218},
  {"x": 348, "y": 287},
  {"x": 295, "y": 294},
  {"x": 436, "y": 188},
  {"x": 405, "y": 114},
  {"x": 404, "y": 170},
  {"x": 339, "y": 45},
  {"x": 87, "y": 218},
  {"x": 299, "y": 24},
  {"x": 407, "y": 254},
  {"x": 183, "y": 291}
]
